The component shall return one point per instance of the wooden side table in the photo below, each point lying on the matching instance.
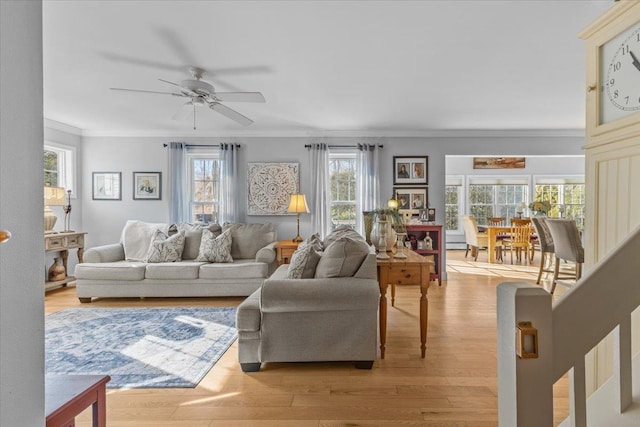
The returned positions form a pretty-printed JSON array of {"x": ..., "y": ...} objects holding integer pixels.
[
  {"x": 414, "y": 269},
  {"x": 66, "y": 396},
  {"x": 62, "y": 242},
  {"x": 284, "y": 250}
]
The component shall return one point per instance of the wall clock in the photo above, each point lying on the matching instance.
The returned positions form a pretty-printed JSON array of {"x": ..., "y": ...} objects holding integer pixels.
[{"x": 620, "y": 74}]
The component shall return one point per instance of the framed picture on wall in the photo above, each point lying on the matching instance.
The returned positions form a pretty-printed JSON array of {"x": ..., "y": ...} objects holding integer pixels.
[
  {"x": 411, "y": 199},
  {"x": 410, "y": 170},
  {"x": 147, "y": 185},
  {"x": 106, "y": 185}
]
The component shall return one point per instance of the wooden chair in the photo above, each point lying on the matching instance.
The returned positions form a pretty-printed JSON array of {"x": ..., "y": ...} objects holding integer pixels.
[
  {"x": 545, "y": 242},
  {"x": 497, "y": 221},
  {"x": 475, "y": 240},
  {"x": 519, "y": 238},
  {"x": 567, "y": 246}
]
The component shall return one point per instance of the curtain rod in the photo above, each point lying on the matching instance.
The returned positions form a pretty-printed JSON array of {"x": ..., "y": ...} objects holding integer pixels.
[
  {"x": 203, "y": 145},
  {"x": 342, "y": 146}
]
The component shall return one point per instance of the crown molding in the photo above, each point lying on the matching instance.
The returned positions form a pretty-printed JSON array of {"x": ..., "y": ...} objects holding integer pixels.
[
  {"x": 63, "y": 127},
  {"x": 433, "y": 133}
]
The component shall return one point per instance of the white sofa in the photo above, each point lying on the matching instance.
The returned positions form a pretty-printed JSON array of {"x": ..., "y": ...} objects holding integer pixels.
[{"x": 115, "y": 270}]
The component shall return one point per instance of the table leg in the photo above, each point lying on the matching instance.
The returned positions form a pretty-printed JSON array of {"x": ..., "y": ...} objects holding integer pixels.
[
  {"x": 80, "y": 255},
  {"x": 393, "y": 295},
  {"x": 100, "y": 408},
  {"x": 383, "y": 276},
  {"x": 65, "y": 256},
  {"x": 424, "y": 308},
  {"x": 491, "y": 246}
]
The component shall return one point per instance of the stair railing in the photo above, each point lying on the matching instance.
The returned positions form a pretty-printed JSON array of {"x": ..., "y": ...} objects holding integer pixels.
[{"x": 553, "y": 340}]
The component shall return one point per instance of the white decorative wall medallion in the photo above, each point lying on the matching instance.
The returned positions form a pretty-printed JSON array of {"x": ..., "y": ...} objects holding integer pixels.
[{"x": 270, "y": 185}]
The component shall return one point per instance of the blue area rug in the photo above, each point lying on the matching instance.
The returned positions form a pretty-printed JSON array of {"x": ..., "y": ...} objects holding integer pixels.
[{"x": 139, "y": 347}]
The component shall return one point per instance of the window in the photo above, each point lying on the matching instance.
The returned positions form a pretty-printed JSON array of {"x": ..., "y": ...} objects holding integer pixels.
[
  {"x": 453, "y": 203},
  {"x": 566, "y": 195},
  {"x": 497, "y": 199},
  {"x": 59, "y": 164},
  {"x": 204, "y": 187},
  {"x": 342, "y": 176}
]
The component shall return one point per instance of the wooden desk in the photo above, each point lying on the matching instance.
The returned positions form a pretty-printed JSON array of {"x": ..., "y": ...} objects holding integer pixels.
[
  {"x": 66, "y": 396},
  {"x": 284, "y": 250},
  {"x": 411, "y": 270},
  {"x": 62, "y": 242},
  {"x": 492, "y": 233}
]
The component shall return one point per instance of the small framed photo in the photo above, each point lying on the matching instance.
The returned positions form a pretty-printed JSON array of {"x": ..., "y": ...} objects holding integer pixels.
[
  {"x": 147, "y": 185},
  {"x": 410, "y": 170},
  {"x": 106, "y": 185},
  {"x": 411, "y": 199}
]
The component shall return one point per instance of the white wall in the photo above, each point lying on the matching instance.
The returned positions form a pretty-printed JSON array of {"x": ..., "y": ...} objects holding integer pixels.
[
  {"x": 104, "y": 220},
  {"x": 21, "y": 207}
]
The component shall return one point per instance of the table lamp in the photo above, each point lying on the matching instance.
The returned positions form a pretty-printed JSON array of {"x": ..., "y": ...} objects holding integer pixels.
[
  {"x": 297, "y": 205},
  {"x": 53, "y": 196}
]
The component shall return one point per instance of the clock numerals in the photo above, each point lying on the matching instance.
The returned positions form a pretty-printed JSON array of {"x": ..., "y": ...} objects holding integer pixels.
[{"x": 623, "y": 77}]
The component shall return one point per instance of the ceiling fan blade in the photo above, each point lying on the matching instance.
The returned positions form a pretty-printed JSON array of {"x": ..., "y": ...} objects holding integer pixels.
[
  {"x": 183, "y": 111},
  {"x": 232, "y": 114},
  {"x": 146, "y": 91},
  {"x": 185, "y": 91},
  {"x": 239, "y": 96}
]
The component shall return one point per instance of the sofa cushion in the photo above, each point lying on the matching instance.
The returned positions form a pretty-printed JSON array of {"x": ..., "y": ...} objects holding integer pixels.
[
  {"x": 342, "y": 258},
  {"x": 247, "y": 239},
  {"x": 121, "y": 270},
  {"x": 165, "y": 248},
  {"x": 215, "y": 249},
  {"x": 193, "y": 236},
  {"x": 303, "y": 262},
  {"x": 173, "y": 270},
  {"x": 239, "y": 269},
  {"x": 341, "y": 231},
  {"x": 136, "y": 237}
]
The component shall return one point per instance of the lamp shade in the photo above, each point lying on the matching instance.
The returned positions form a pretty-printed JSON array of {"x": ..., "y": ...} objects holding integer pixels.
[
  {"x": 54, "y": 196},
  {"x": 298, "y": 204}
]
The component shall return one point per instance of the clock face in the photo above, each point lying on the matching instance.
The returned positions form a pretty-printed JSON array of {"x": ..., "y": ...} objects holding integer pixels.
[{"x": 620, "y": 89}]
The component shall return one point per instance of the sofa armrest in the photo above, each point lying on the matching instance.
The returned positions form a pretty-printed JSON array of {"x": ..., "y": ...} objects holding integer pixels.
[
  {"x": 332, "y": 294},
  {"x": 106, "y": 253},
  {"x": 267, "y": 254}
]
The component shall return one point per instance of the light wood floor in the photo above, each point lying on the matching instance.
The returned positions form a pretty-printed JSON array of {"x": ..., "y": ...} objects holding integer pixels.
[{"x": 455, "y": 385}]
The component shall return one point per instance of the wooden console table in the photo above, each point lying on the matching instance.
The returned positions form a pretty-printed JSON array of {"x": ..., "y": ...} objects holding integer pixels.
[
  {"x": 414, "y": 269},
  {"x": 62, "y": 242},
  {"x": 66, "y": 396}
]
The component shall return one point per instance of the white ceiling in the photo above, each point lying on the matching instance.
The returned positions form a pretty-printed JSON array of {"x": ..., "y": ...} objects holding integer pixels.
[{"x": 365, "y": 67}]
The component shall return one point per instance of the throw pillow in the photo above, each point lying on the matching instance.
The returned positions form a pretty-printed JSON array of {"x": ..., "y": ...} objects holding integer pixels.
[
  {"x": 215, "y": 249},
  {"x": 136, "y": 237},
  {"x": 303, "y": 262},
  {"x": 342, "y": 258},
  {"x": 165, "y": 248},
  {"x": 248, "y": 239},
  {"x": 341, "y": 231}
]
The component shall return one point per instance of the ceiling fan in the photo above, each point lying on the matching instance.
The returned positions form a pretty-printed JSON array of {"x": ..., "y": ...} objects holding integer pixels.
[{"x": 200, "y": 93}]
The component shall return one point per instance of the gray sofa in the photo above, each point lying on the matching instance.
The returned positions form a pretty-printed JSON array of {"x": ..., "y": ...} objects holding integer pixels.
[
  {"x": 311, "y": 319},
  {"x": 109, "y": 272}
]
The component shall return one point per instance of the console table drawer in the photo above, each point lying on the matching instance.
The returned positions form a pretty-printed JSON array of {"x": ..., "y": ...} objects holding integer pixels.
[
  {"x": 75, "y": 241},
  {"x": 52, "y": 243},
  {"x": 407, "y": 275}
]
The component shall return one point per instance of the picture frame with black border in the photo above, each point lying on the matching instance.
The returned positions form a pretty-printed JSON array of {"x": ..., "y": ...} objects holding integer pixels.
[
  {"x": 106, "y": 185},
  {"x": 411, "y": 198},
  {"x": 410, "y": 170},
  {"x": 147, "y": 185}
]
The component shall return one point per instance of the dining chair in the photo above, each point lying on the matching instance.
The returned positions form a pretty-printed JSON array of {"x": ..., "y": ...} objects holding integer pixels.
[
  {"x": 474, "y": 239},
  {"x": 497, "y": 221},
  {"x": 567, "y": 246},
  {"x": 519, "y": 238},
  {"x": 545, "y": 242}
]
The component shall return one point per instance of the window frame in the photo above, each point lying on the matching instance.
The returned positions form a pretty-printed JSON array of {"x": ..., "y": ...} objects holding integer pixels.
[
  {"x": 496, "y": 181},
  {"x": 458, "y": 181},
  {"x": 351, "y": 155},
  {"x": 67, "y": 168},
  {"x": 190, "y": 158}
]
